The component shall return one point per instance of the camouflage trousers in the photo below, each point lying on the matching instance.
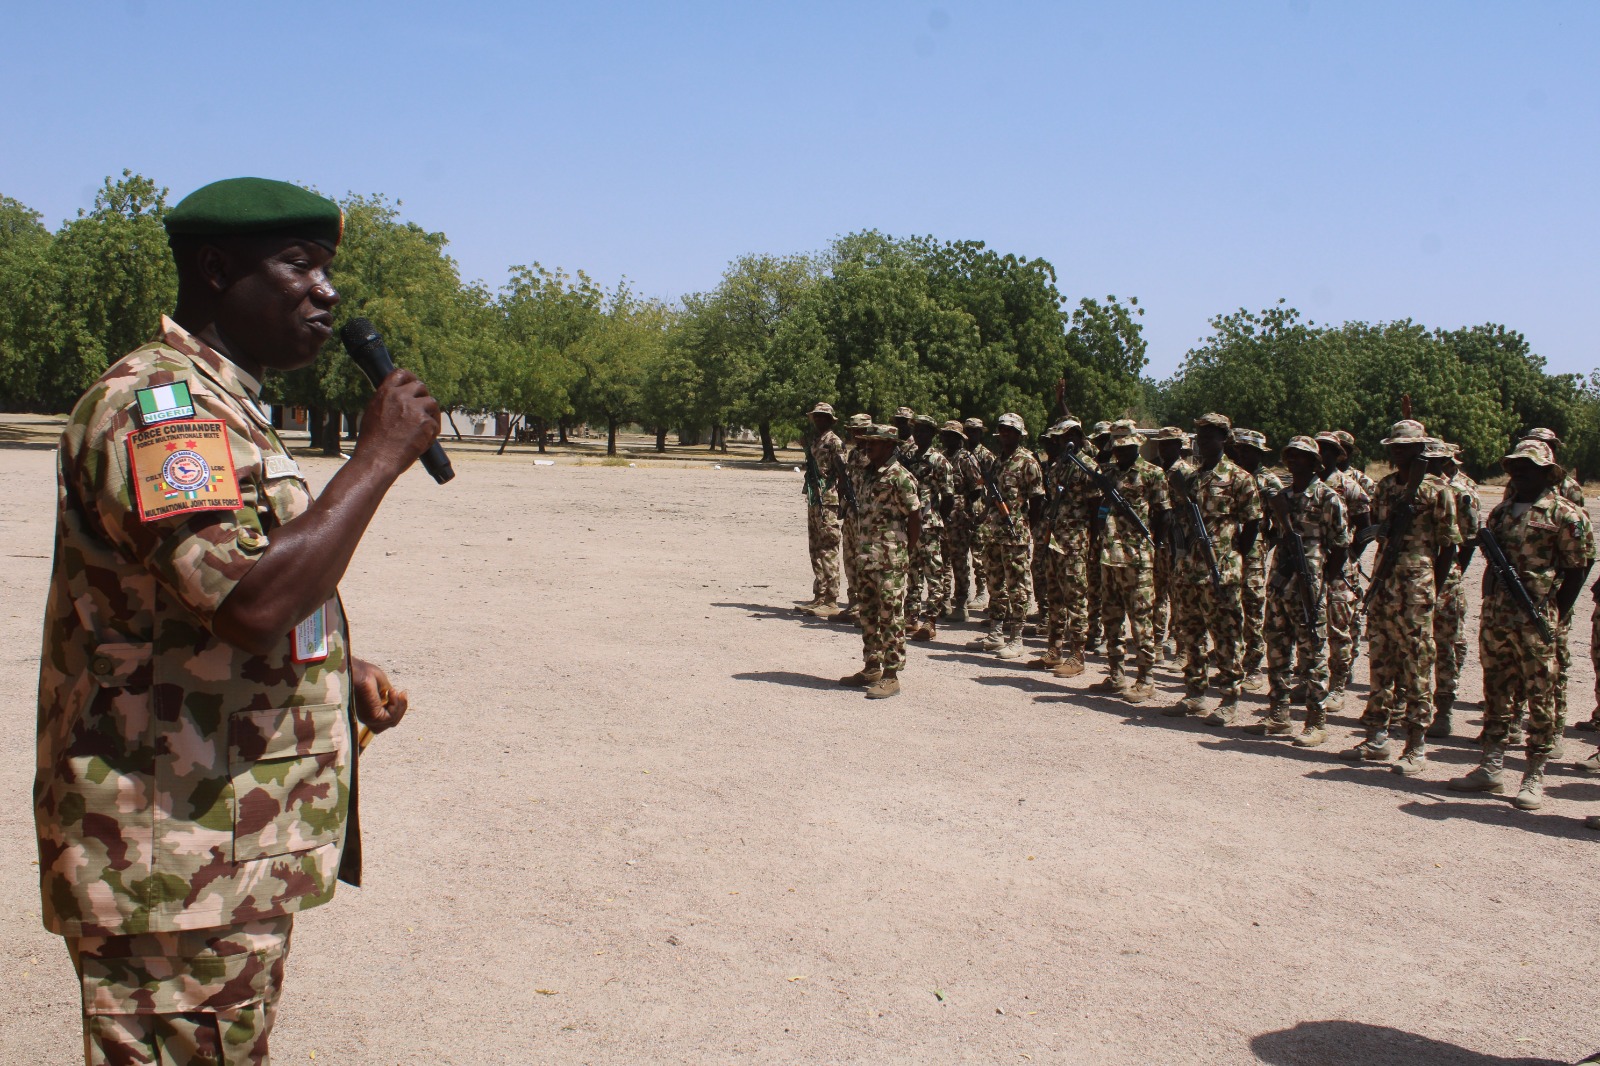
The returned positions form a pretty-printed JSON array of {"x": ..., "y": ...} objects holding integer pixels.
[
  {"x": 1253, "y": 601},
  {"x": 1201, "y": 614},
  {"x": 958, "y": 554},
  {"x": 1006, "y": 565},
  {"x": 980, "y": 555},
  {"x": 928, "y": 589},
  {"x": 852, "y": 592},
  {"x": 203, "y": 996},
  {"x": 822, "y": 536},
  {"x": 1095, "y": 602},
  {"x": 1344, "y": 629},
  {"x": 882, "y": 610},
  {"x": 1127, "y": 600},
  {"x": 1161, "y": 576},
  {"x": 1449, "y": 638},
  {"x": 1295, "y": 649},
  {"x": 1067, "y": 574},
  {"x": 1516, "y": 662},
  {"x": 1400, "y": 639},
  {"x": 1563, "y": 668},
  {"x": 1594, "y": 659},
  {"x": 1038, "y": 580}
]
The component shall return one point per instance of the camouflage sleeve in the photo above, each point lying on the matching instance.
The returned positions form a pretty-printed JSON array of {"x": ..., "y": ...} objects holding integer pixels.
[
  {"x": 1574, "y": 540},
  {"x": 907, "y": 496},
  {"x": 1448, "y": 529},
  {"x": 197, "y": 556},
  {"x": 944, "y": 479},
  {"x": 1247, "y": 501},
  {"x": 1158, "y": 492},
  {"x": 1335, "y": 522},
  {"x": 1032, "y": 480},
  {"x": 1469, "y": 514}
]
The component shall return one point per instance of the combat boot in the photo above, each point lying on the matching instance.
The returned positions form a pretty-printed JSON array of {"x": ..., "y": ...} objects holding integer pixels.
[
  {"x": 1277, "y": 724},
  {"x": 886, "y": 686},
  {"x": 1530, "y": 797},
  {"x": 1592, "y": 822},
  {"x": 1335, "y": 702},
  {"x": 1515, "y": 737},
  {"x": 1589, "y": 725},
  {"x": 827, "y": 610},
  {"x": 1140, "y": 690},
  {"x": 990, "y": 640},
  {"x": 1115, "y": 681},
  {"x": 980, "y": 602},
  {"x": 862, "y": 678},
  {"x": 1225, "y": 712},
  {"x": 1011, "y": 645},
  {"x": 1193, "y": 703},
  {"x": 1440, "y": 726},
  {"x": 1487, "y": 776},
  {"x": 1071, "y": 665},
  {"x": 1591, "y": 765},
  {"x": 1049, "y": 659},
  {"x": 1415, "y": 755},
  {"x": 1254, "y": 683},
  {"x": 1374, "y": 747},
  {"x": 1315, "y": 732},
  {"x": 1169, "y": 651},
  {"x": 1558, "y": 746}
]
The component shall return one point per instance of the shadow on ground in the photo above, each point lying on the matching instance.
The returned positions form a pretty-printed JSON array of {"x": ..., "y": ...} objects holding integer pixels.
[
  {"x": 1341, "y": 1043},
  {"x": 793, "y": 680}
]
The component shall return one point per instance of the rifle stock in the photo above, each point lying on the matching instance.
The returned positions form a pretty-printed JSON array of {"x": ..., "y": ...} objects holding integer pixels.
[{"x": 1505, "y": 573}]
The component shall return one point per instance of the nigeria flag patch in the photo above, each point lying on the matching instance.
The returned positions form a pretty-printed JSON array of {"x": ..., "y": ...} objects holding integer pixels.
[{"x": 164, "y": 403}]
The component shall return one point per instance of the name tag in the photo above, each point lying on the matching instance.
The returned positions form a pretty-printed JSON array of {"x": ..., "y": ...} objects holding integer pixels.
[
  {"x": 282, "y": 466},
  {"x": 311, "y": 637}
]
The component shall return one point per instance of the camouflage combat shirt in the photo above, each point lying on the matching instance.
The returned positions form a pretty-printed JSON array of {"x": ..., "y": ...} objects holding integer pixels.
[
  {"x": 1019, "y": 479},
  {"x": 888, "y": 498},
  {"x": 1540, "y": 539},
  {"x": 1144, "y": 486},
  {"x": 827, "y": 452},
  {"x": 1433, "y": 523},
  {"x": 1228, "y": 498},
  {"x": 181, "y": 782},
  {"x": 1268, "y": 485},
  {"x": 1318, "y": 515},
  {"x": 1469, "y": 509},
  {"x": 935, "y": 481},
  {"x": 1074, "y": 498}
]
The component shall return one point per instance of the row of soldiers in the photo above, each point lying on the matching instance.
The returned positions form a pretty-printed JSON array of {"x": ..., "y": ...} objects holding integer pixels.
[{"x": 1130, "y": 536}]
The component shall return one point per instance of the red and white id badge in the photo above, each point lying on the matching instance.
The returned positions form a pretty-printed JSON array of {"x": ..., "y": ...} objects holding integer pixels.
[{"x": 311, "y": 637}]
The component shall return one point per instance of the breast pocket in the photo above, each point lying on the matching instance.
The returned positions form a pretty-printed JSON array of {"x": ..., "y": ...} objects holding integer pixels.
[{"x": 284, "y": 766}]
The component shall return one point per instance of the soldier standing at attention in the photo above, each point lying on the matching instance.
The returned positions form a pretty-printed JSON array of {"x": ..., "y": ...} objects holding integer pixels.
[
  {"x": 1127, "y": 558},
  {"x": 983, "y": 459},
  {"x": 1348, "y": 467},
  {"x": 1550, "y": 544},
  {"x": 930, "y": 581},
  {"x": 854, "y": 460},
  {"x": 1450, "y": 617},
  {"x": 1296, "y": 622},
  {"x": 1344, "y": 587},
  {"x": 902, "y": 421},
  {"x": 890, "y": 531},
  {"x": 822, "y": 509},
  {"x": 1046, "y": 583},
  {"x": 1100, "y": 442},
  {"x": 1169, "y": 443},
  {"x": 958, "y": 528},
  {"x": 1230, "y": 515},
  {"x": 198, "y": 703},
  {"x": 1572, "y": 492},
  {"x": 1248, "y": 448},
  {"x": 1015, "y": 474},
  {"x": 1075, "y": 500},
  {"x": 1411, "y": 569}
]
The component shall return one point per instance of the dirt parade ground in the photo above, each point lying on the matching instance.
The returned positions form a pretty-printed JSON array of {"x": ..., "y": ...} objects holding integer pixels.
[{"x": 633, "y": 818}]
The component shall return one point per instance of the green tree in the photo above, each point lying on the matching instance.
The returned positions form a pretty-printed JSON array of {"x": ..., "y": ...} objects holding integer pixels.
[
  {"x": 546, "y": 314},
  {"x": 612, "y": 360},
  {"x": 1105, "y": 359},
  {"x": 24, "y": 246}
]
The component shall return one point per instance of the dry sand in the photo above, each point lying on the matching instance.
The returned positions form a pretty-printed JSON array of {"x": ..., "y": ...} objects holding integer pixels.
[{"x": 633, "y": 819}]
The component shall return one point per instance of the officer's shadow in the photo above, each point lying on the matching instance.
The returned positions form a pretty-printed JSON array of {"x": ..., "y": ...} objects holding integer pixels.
[
  {"x": 766, "y": 611},
  {"x": 1345, "y": 1042},
  {"x": 792, "y": 680}
]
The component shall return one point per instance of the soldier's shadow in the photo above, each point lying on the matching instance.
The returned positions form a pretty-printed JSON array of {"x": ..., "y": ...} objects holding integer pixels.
[
  {"x": 1432, "y": 800},
  {"x": 792, "y": 680},
  {"x": 1345, "y": 1042},
  {"x": 767, "y": 611}
]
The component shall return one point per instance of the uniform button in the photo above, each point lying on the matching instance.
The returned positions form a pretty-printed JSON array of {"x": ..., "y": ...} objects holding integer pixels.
[{"x": 101, "y": 664}]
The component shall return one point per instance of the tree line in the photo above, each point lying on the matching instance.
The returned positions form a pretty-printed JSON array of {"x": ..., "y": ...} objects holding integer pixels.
[{"x": 870, "y": 323}]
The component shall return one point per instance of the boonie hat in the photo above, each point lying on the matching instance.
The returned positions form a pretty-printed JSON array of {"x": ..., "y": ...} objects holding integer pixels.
[
  {"x": 1251, "y": 438},
  {"x": 952, "y": 426},
  {"x": 823, "y": 409},
  {"x": 973, "y": 423},
  {"x": 1535, "y": 451},
  {"x": 904, "y": 412},
  {"x": 1101, "y": 429},
  {"x": 1303, "y": 443},
  {"x": 880, "y": 432},
  {"x": 236, "y": 206},
  {"x": 1222, "y": 422},
  {"x": 1169, "y": 433},
  {"x": 1327, "y": 436},
  {"x": 856, "y": 422},
  {"x": 1124, "y": 433},
  {"x": 1438, "y": 449},
  {"x": 925, "y": 420},
  {"x": 1406, "y": 431},
  {"x": 1347, "y": 440},
  {"x": 1546, "y": 435},
  {"x": 1066, "y": 425},
  {"x": 1013, "y": 420}
]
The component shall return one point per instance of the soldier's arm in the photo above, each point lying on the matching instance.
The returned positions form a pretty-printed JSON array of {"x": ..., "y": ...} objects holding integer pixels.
[
  {"x": 913, "y": 529},
  {"x": 1248, "y": 531}
]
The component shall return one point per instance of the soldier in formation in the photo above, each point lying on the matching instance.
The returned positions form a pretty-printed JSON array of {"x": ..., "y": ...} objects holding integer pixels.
[
  {"x": 1169, "y": 441},
  {"x": 825, "y": 461},
  {"x": 1450, "y": 616},
  {"x": 888, "y": 534},
  {"x": 1074, "y": 499},
  {"x": 930, "y": 579},
  {"x": 982, "y": 459},
  {"x": 1130, "y": 529},
  {"x": 1248, "y": 447},
  {"x": 1014, "y": 492}
]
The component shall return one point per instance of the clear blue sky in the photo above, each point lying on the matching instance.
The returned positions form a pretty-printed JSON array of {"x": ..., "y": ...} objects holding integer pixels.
[{"x": 1437, "y": 161}]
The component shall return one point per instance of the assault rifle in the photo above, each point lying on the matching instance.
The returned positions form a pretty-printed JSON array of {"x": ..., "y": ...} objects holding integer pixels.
[
  {"x": 1108, "y": 489},
  {"x": 1290, "y": 541},
  {"x": 1202, "y": 536},
  {"x": 813, "y": 488},
  {"x": 847, "y": 488},
  {"x": 1395, "y": 528},
  {"x": 992, "y": 493},
  {"x": 1505, "y": 573}
]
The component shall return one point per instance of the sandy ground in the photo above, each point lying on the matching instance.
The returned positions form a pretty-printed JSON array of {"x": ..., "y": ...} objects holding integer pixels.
[{"x": 633, "y": 819}]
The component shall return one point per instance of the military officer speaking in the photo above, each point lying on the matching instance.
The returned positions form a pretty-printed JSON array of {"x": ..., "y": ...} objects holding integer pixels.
[{"x": 198, "y": 702}]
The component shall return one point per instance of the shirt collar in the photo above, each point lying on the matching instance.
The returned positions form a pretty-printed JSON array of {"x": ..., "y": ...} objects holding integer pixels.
[{"x": 233, "y": 378}]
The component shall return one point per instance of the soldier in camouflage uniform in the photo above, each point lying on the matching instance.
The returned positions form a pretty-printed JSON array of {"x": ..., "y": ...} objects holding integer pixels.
[
  {"x": 889, "y": 532},
  {"x": 930, "y": 580},
  {"x": 855, "y": 459},
  {"x": 982, "y": 459},
  {"x": 1550, "y": 544},
  {"x": 1015, "y": 474},
  {"x": 1100, "y": 442},
  {"x": 1074, "y": 500},
  {"x": 1348, "y": 468},
  {"x": 1230, "y": 506},
  {"x": 1247, "y": 448},
  {"x": 1127, "y": 559},
  {"x": 1169, "y": 446},
  {"x": 1401, "y": 604},
  {"x": 1296, "y": 622},
  {"x": 822, "y": 508},
  {"x": 1343, "y": 584},
  {"x": 958, "y": 528},
  {"x": 1450, "y": 616},
  {"x": 1047, "y": 584},
  {"x": 1572, "y": 492},
  {"x": 198, "y": 704},
  {"x": 903, "y": 421}
]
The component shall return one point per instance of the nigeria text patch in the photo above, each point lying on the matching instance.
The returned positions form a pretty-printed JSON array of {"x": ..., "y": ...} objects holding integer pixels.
[
  {"x": 164, "y": 403},
  {"x": 182, "y": 466}
]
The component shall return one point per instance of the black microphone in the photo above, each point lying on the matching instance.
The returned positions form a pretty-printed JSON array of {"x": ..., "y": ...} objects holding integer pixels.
[{"x": 366, "y": 349}]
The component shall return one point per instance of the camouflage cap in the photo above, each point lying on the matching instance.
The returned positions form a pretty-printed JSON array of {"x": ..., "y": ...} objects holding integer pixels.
[
  {"x": 1303, "y": 443},
  {"x": 1438, "y": 449},
  {"x": 904, "y": 412},
  {"x": 973, "y": 423},
  {"x": 925, "y": 420},
  {"x": 823, "y": 409},
  {"x": 1125, "y": 434},
  {"x": 1220, "y": 421},
  {"x": 1535, "y": 451},
  {"x": 1065, "y": 426},
  {"x": 1328, "y": 436},
  {"x": 1012, "y": 420},
  {"x": 1101, "y": 429},
  {"x": 879, "y": 432},
  {"x": 858, "y": 422},
  {"x": 1406, "y": 431},
  {"x": 1347, "y": 440},
  {"x": 1546, "y": 435},
  {"x": 952, "y": 426},
  {"x": 1169, "y": 433},
  {"x": 1251, "y": 438}
]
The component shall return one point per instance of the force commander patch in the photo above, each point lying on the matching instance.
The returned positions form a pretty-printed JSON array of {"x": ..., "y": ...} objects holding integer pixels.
[{"x": 182, "y": 466}]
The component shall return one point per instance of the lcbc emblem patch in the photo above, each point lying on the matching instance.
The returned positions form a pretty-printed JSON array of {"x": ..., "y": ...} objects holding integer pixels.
[{"x": 183, "y": 466}]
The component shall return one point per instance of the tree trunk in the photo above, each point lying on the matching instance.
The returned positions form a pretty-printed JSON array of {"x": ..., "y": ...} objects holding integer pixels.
[
  {"x": 330, "y": 433},
  {"x": 511, "y": 427},
  {"x": 314, "y": 425},
  {"x": 767, "y": 454},
  {"x": 543, "y": 427},
  {"x": 353, "y": 426},
  {"x": 661, "y": 438},
  {"x": 611, "y": 435},
  {"x": 453, "y": 426},
  {"x": 722, "y": 439},
  {"x": 561, "y": 426}
]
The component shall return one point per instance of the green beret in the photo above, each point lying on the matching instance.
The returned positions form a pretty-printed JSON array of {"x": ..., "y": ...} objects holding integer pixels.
[{"x": 256, "y": 205}]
